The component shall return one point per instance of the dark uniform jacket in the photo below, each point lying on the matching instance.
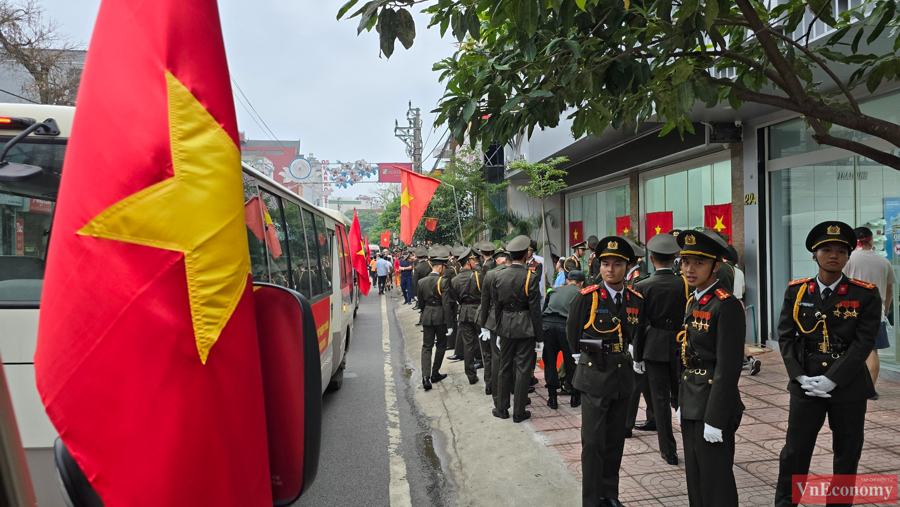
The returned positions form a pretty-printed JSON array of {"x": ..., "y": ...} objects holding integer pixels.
[
  {"x": 466, "y": 288},
  {"x": 487, "y": 314},
  {"x": 537, "y": 271},
  {"x": 715, "y": 328},
  {"x": 725, "y": 275},
  {"x": 571, "y": 263},
  {"x": 437, "y": 300},
  {"x": 515, "y": 294},
  {"x": 851, "y": 315},
  {"x": 487, "y": 265},
  {"x": 665, "y": 296},
  {"x": 593, "y": 269},
  {"x": 451, "y": 269},
  {"x": 592, "y": 315},
  {"x": 420, "y": 271},
  {"x": 558, "y": 301}
]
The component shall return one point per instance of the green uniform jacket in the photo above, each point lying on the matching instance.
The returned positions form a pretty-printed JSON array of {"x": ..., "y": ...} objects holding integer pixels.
[
  {"x": 559, "y": 299},
  {"x": 571, "y": 263},
  {"x": 437, "y": 300},
  {"x": 487, "y": 265},
  {"x": 451, "y": 269},
  {"x": 665, "y": 296},
  {"x": 725, "y": 275},
  {"x": 593, "y": 270},
  {"x": 420, "y": 271},
  {"x": 516, "y": 297},
  {"x": 614, "y": 378},
  {"x": 466, "y": 289},
  {"x": 487, "y": 314},
  {"x": 715, "y": 331},
  {"x": 852, "y": 315},
  {"x": 537, "y": 271}
]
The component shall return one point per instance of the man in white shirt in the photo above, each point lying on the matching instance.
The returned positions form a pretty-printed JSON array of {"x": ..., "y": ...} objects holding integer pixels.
[{"x": 867, "y": 265}]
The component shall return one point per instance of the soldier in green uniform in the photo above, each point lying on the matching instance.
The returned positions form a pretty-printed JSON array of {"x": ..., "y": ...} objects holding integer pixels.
[
  {"x": 712, "y": 346},
  {"x": 486, "y": 249},
  {"x": 593, "y": 260},
  {"x": 603, "y": 320},
  {"x": 574, "y": 261},
  {"x": 826, "y": 331},
  {"x": 436, "y": 301},
  {"x": 487, "y": 321},
  {"x": 466, "y": 287},
  {"x": 517, "y": 301},
  {"x": 556, "y": 311},
  {"x": 421, "y": 270},
  {"x": 453, "y": 341},
  {"x": 725, "y": 274},
  {"x": 656, "y": 355}
]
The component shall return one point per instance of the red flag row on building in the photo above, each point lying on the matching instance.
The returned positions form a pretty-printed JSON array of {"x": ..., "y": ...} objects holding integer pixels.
[{"x": 716, "y": 217}]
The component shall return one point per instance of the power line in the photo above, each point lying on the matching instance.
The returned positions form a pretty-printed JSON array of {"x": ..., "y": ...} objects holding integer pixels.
[
  {"x": 436, "y": 145},
  {"x": 274, "y": 137},
  {"x": 18, "y": 96}
]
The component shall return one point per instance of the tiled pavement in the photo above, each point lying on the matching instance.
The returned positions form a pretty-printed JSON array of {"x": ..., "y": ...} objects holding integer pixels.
[{"x": 646, "y": 479}]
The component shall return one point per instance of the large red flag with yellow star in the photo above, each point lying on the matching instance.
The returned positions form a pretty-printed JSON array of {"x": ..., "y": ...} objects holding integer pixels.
[
  {"x": 358, "y": 257},
  {"x": 718, "y": 218},
  {"x": 417, "y": 193},
  {"x": 147, "y": 358}
]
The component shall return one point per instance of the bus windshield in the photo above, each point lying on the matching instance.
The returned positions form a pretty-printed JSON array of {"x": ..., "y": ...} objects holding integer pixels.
[{"x": 25, "y": 224}]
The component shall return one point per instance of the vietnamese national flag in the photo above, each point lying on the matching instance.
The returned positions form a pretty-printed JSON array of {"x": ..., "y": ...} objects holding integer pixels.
[
  {"x": 659, "y": 222},
  {"x": 718, "y": 218},
  {"x": 359, "y": 256},
  {"x": 623, "y": 226},
  {"x": 147, "y": 356},
  {"x": 386, "y": 239},
  {"x": 431, "y": 224},
  {"x": 576, "y": 232},
  {"x": 417, "y": 193},
  {"x": 260, "y": 223}
]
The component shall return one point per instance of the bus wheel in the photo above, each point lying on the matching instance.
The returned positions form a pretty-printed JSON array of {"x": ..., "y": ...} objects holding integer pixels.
[
  {"x": 337, "y": 380},
  {"x": 355, "y": 310}
]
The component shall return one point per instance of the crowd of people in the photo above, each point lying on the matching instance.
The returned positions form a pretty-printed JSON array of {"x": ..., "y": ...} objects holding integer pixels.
[{"x": 675, "y": 337}]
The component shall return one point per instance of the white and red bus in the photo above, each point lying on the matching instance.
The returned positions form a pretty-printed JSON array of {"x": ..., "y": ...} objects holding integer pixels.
[{"x": 292, "y": 243}]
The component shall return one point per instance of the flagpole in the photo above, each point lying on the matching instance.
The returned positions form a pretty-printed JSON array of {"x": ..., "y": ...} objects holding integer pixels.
[{"x": 458, "y": 220}]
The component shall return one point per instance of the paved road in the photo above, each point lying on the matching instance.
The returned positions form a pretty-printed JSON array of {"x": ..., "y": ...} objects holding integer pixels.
[{"x": 355, "y": 465}]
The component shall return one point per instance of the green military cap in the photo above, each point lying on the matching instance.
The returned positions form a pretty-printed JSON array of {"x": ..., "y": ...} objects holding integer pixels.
[
  {"x": 592, "y": 242},
  {"x": 718, "y": 239},
  {"x": 638, "y": 250},
  {"x": 615, "y": 246},
  {"x": 485, "y": 247},
  {"x": 519, "y": 244},
  {"x": 576, "y": 246},
  {"x": 439, "y": 254},
  {"x": 458, "y": 250},
  {"x": 500, "y": 253},
  {"x": 576, "y": 275},
  {"x": 421, "y": 252},
  {"x": 698, "y": 244},
  {"x": 465, "y": 254},
  {"x": 663, "y": 244},
  {"x": 831, "y": 232}
]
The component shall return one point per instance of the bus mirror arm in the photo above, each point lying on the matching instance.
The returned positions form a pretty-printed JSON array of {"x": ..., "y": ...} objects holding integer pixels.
[{"x": 19, "y": 172}]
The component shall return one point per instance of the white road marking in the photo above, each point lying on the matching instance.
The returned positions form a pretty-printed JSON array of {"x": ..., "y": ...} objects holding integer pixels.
[{"x": 399, "y": 487}]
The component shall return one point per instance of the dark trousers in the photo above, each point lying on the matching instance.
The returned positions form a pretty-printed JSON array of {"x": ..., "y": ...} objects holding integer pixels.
[
  {"x": 495, "y": 369},
  {"x": 555, "y": 342},
  {"x": 406, "y": 287},
  {"x": 433, "y": 337},
  {"x": 381, "y": 282},
  {"x": 468, "y": 337},
  {"x": 487, "y": 359},
  {"x": 708, "y": 467},
  {"x": 374, "y": 275},
  {"x": 847, "y": 422},
  {"x": 641, "y": 386},
  {"x": 663, "y": 381},
  {"x": 516, "y": 367},
  {"x": 602, "y": 445}
]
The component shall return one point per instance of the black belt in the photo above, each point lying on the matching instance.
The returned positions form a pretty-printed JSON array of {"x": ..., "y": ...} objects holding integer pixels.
[
  {"x": 470, "y": 302},
  {"x": 666, "y": 325},
  {"x": 835, "y": 348},
  {"x": 554, "y": 316},
  {"x": 436, "y": 305},
  {"x": 695, "y": 363},
  {"x": 525, "y": 309}
]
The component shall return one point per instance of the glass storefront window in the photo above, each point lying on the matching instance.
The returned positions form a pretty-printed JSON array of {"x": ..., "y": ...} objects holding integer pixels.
[
  {"x": 685, "y": 193},
  {"x": 598, "y": 210}
]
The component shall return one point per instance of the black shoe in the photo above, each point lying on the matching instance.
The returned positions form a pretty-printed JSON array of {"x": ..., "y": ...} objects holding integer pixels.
[
  {"x": 534, "y": 381},
  {"x": 437, "y": 378},
  {"x": 755, "y": 366},
  {"x": 501, "y": 414},
  {"x": 527, "y": 401},
  {"x": 530, "y": 389},
  {"x": 478, "y": 366},
  {"x": 646, "y": 426},
  {"x": 454, "y": 357},
  {"x": 426, "y": 382},
  {"x": 488, "y": 391},
  {"x": 523, "y": 417},
  {"x": 473, "y": 380},
  {"x": 552, "y": 403},
  {"x": 628, "y": 434},
  {"x": 576, "y": 399},
  {"x": 418, "y": 323},
  {"x": 671, "y": 459},
  {"x": 875, "y": 396},
  {"x": 610, "y": 502}
]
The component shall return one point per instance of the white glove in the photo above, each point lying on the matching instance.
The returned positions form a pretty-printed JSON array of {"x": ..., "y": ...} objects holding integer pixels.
[
  {"x": 498, "y": 342},
  {"x": 485, "y": 334},
  {"x": 539, "y": 346},
  {"x": 712, "y": 435},
  {"x": 630, "y": 349},
  {"x": 449, "y": 331},
  {"x": 804, "y": 382},
  {"x": 576, "y": 357},
  {"x": 822, "y": 385},
  {"x": 678, "y": 415},
  {"x": 639, "y": 367}
]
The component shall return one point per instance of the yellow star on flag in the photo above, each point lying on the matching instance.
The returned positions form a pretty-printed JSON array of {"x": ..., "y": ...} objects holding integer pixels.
[
  {"x": 198, "y": 212},
  {"x": 405, "y": 198},
  {"x": 362, "y": 249},
  {"x": 719, "y": 225},
  {"x": 658, "y": 229},
  {"x": 575, "y": 234},
  {"x": 625, "y": 231}
]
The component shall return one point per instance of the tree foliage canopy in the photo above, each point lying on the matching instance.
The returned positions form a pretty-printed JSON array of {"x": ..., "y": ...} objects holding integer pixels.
[{"x": 522, "y": 64}]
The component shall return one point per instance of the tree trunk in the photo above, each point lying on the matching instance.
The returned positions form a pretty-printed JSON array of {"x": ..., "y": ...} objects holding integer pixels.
[{"x": 544, "y": 239}]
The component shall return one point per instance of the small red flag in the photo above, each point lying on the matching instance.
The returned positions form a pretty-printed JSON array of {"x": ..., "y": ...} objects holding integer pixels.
[
  {"x": 359, "y": 257},
  {"x": 659, "y": 223},
  {"x": 623, "y": 226},
  {"x": 576, "y": 232},
  {"x": 386, "y": 239},
  {"x": 417, "y": 193},
  {"x": 431, "y": 224},
  {"x": 718, "y": 218}
]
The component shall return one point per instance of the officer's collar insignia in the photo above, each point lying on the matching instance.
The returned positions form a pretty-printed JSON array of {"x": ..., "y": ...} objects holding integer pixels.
[
  {"x": 603, "y": 293},
  {"x": 842, "y": 289},
  {"x": 812, "y": 287},
  {"x": 705, "y": 299},
  {"x": 862, "y": 283},
  {"x": 690, "y": 240},
  {"x": 723, "y": 295},
  {"x": 834, "y": 230},
  {"x": 613, "y": 245}
]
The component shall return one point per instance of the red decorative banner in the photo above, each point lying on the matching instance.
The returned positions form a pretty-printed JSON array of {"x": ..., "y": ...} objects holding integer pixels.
[
  {"x": 430, "y": 223},
  {"x": 659, "y": 223},
  {"x": 623, "y": 225},
  {"x": 390, "y": 172},
  {"x": 576, "y": 232},
  {"x": 718, "y": 218}
]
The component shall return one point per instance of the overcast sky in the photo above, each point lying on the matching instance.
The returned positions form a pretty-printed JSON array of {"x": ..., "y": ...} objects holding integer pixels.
[{"x": 311, "y": 78}]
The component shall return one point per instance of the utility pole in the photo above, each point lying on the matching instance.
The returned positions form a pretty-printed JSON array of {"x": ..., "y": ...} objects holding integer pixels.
[{"x": 411, "y": 136}]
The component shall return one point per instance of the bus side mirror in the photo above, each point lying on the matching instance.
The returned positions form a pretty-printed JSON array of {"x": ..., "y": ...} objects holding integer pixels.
[
  {"x": 292, "y": 385},
  {"x": 76, "y": 489}
]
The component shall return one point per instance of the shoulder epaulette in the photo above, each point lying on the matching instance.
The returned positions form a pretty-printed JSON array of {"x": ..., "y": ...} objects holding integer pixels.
[
  {"x": 636, "y": 293},
  {"x": 799, "y": 281},
  {"x": 588, "y": 290},
  {"x": 862, "y": 283},
  {"x": 723, "y": 295}
]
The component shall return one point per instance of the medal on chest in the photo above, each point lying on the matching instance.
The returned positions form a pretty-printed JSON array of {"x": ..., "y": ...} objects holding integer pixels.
[
  {"x": 632, "y": 315},
  {"x": 846, "y": 309},
  {"x": 701, "y": 320}
]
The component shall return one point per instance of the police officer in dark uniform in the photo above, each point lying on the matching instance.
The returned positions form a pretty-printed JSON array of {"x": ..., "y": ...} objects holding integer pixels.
[
  {"x": 486, "y": 262},
  {"x": 641, "y": 383},
  {"x": 420, "y": 271},
  {"x": 603, "y": 320},
  {"x": 676, "y": 267},
  {"x": 826, "y": 331},
  {"x": 437, "y": 312},
  {"x": 656, "y": 356},
  {"x": 556, "y": 311},
  {"x": 453, "y": 343},
  {"x": 712, "y": 346},
  {"x": 725, "y": 274},
  {"x": 593, "y": 260},
  {"x": 574, "y": 261},
  {"x": 517, "y": 300},
  {"x": 487, "y": 321},
  {"x": 466, "y": 288}
]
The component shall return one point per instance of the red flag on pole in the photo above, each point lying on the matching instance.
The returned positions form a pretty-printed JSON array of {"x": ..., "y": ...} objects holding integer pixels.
[
  {"x": 417, "y": 193},
  {"x": 386, "y": 239},
  {"x": 718, "y": 218},
  {"x": 147, "y": 356},
  {"x": 659, "y": 222},
  {"x": 623, "y": 226},
  {"x": 576, "y": 232},
  {"x": 431, "y": 224},
  {"x": 359, "y": 257},
  {"x": 368, "y": 250}
]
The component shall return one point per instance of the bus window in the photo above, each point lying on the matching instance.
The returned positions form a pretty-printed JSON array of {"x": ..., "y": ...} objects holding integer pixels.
[
  {"x": 275, "y": 243},
  {"x": 24, "y": 231},
  {"x": 315, "y": 277},
  {"x": 345, "y": 255},
  {"x": 300, "y": 274},
  {"x": 256, "y": 231},
  {"x": 324, "y": 244}
]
